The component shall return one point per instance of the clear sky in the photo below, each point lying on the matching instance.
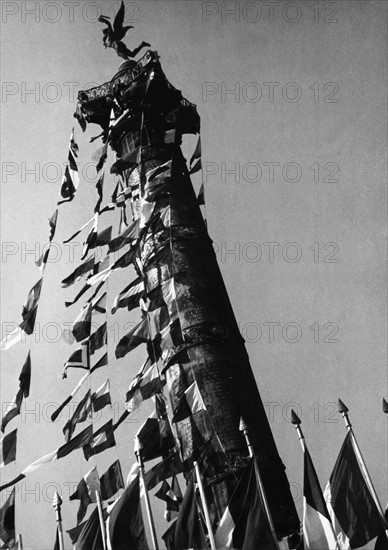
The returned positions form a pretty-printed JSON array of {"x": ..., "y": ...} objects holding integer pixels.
[{"x": 299, "y": 227}]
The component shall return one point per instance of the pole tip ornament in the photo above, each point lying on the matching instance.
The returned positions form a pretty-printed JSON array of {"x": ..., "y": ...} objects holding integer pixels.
[
  {"x": 295, "y": 418},
  {"x": 57, "y": 501},
  {"x": 385, "y": 406},
  {"x": 342, "y": 408},
  {"x": 242, "y": 426}
]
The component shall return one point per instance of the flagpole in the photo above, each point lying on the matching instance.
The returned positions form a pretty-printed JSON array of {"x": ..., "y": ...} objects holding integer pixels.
[
  {"x": 342, "y": 408},
  {"x": 57, "y": 503},
  {"x": 205, "y": 508},
  {"x": 20, "y": 542},
  {"x": 243, "y": 428},
  {"x": 101, "y": 516},
  {"x": 146, "y": 495}
]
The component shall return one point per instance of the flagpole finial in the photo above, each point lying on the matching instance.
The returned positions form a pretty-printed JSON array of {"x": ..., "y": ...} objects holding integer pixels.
[
  {"x": 57, "y": 501},
  {"x": 295, "y": 418},
  {"x": 342, "y": 408},
  {"x": 242, "y": 426},
  {"x": 385, "y": 406}
]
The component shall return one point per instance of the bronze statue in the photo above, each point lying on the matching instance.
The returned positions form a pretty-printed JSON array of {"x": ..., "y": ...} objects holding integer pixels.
[{"x": 113, "y": 36}]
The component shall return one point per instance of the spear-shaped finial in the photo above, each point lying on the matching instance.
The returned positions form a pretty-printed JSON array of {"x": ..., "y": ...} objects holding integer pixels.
[
  {"x": 57, "y": 503},
  {"x": 385, "y": 406},
  {"x": 295, "y": 418},
  {"x": 342, "y": 408},
  {"x": 296, "y": 421}
]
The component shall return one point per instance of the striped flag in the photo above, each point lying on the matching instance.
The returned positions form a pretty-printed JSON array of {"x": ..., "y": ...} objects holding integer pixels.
[
  {"x": 102, "y": 439},
  {"x": 101, "y": 397},
  {"x": 318, "y": 531},
  {"x": 8, "y": 448},
  {"x": 70, "y": 179},
  {"x": 145, "y": 384},
  {"x": 354, "y": 514}
]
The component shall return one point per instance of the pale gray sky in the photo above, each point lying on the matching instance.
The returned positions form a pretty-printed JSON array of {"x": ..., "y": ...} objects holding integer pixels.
[{"x": 300, "y": 236}]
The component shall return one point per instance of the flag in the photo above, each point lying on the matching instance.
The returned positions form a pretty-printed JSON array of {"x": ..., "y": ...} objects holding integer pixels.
[
  {"x": 154, "y": 438},
  {"x": 13, "y": 408},
  {"x": 125, "y": 527},
  {"x": 170, "y": 466},
  {"x": 103, "y": 362},
  {"x": 81, "y": 326},
  {"x": 98, "y": 339},
  {"x": 7, "y": 520},
  {"x": 172, "y": 496},
  {"x": 99, "y": 305},
  {"x": 86, "y": 492},
  {"x": 354, "y": 514},
  {"x": 75, "y": 532},
  {"x": 79, "y": 359},
  {"x": 60, "y": 408},
  {"x": 103, "y": 439},
  {"x": 169, "y": 537},
  {"x": 56, "y": 543},
  {"x": 129, "y": 235},
  {"x": 136, "y": 336},
  {"x": 111, "y": 481},
  {"x": 190, "y": 403},
  {"x": 90, "y": 538},
  {"x": 30, "y": 308},
  {"x": 12, "y": 338},
  {"x": 80, "y": 414},
  {"x": 70, "y": 179},
  {"x": 41, "y": 263},
  {"x": 168, "y": 338},
  {"x": 244, "y": 523},
  {"x": 100, "y": 274},
  {"x": 318, "y": 531},
  {"x": 201, "y": 196},
  {"x": 195, "y": 156},
  {"x": 130, "y": 296},
  {"x": 145, "y": 384},
  {"x": 189, "y": 532},
  {"x": 101, "y": 397},
  {"x": 79, "y": 231},
  {"x": 100, "y": 182},
  {"x": 83, "y": 438},
  {"x": 8, "y": 448},
  {"x": 126, "y": 259},
  {"x": 382, "y": 539},
  {"x": 81, "y": 270}
]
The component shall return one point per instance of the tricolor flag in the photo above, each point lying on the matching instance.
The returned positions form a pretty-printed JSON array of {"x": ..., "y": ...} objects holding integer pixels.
[
  {"x": 125, "y": 527},
  {"x": 8, "y": 448},
  {"x": 145, "y": 384},
  {"x": 318, "y": 531},
  {"x": 80, "y": 440},
  {"x": 190, "y": 403},
  {"x": 189, "y": 531},
  {"x": 130, "y": 296},
  {"x": 13, "y": 408},
  {"x": 136, "y": 336},
  {"x": 101, "y": 397},
  {"x": 354, "y": 514},
  {"x": 81, "y": 413},
  {"x": 103, "y": 439},
  {"x": 86, "y": 492},
  {"x": 111, "y": 481},
  {"x": 7, "y": 521},
  {"x": 70, "y": 180},
  {"x": 172, "y": 496}
]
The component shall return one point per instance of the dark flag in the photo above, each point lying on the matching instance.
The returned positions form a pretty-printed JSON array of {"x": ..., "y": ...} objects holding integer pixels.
[
  {"x": 170, "y": 466},
  {"x": 125, "y": 527},
  {"x": 98, "y": 339},
  {"x": 103, "y": 439},
  {"x": 13, "y": 409},
  {"x": 172, "y": 496},
  {"x": 90, "y": 538},
  {"x": 145, "y": 384},
  {"x": 75, "y": 532},
  {"x": 354, "y": 514},
  {"x": 8, "y": 448},
  {"x": 201, "y": 196},
  {"x": 30, "y": 308},
  {"x": 81, "y": 270},
  {"x": 60, "y": 408},
  {"x": 7, "y": 520},
  {"x": 99, "y": 187},
  {"x": 129, "y": 235},
  {"x": 81, "y": 326},
  {"x": 111, "y": 481},
  {"x": 56, "y": 543},
  {"x": 189, "y": 532},
  {"x": 136, "y": 336},
  {"x": 190, "y": 403},
  {"x": 130, "y": 296},
  {"x": 169, "y": 537},
  {"x": 382, "y": 539},
  {"x": 99, "y": 305},
  {"x": 155, "y": 438},
  {"x": 79, "y": 359},
  {"x": 86, "y": 492},
  {"x": 81, "y": 413},
  {"x": 70, "y": 180}
]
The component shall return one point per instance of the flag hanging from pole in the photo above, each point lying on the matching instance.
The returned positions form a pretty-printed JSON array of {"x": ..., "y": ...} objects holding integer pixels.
[
  {"x": 111, "y": 481},
  {"x": 101, "y": 397},
  {"x": 145, "y": 384},
  {"x": 190, "y": 403},
  {"x": 82, "y": 411},
  {"x": 8, "y": 448},
  {"x": 70, "y": 180},
  {"x": 136, "y": 336},
  {"x": 102, "y": 439},
  {"x": 7, "y": 521},
  {"x": 13, "y": 408},
  {"x": 189, "y": 531},
  {"x": 86, "y": 492}
]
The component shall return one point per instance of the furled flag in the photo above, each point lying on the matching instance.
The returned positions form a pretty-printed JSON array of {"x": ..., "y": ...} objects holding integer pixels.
[
  {"x": 130, "y": 296},
  {"x": 13, "y": 409},
  {"x": 154, "y": 438},
  {"x": 170, "y": 466},
  {"x": 103, "y": 439},
  {"x": 128, "y": 236},
  {"x": 101, "y": 397},
  {"x": 80, "y": 440},
  {"x": 79, "y": 359},
  {"x": 81, "y": 326},
  {"x": 125, "y": 527},
  {"x": 70, "y": 180},
  {"x": 111, "y": 481},
  {"x": 318, "y": 531},
  {"x": 7, "y": 521},
  {"x": 169, "y": 537},
  {"x": 136, "y": 336},
  {"x": 8, "y": 448},
  {"x": 90, "y": 538},
  {"x": 86, "y": 492},
  {"x": 81, "y": 413},
  {"x": 172, "y": 496},
  {"x": 41, "y": 263},
  {"x": 146, "y": 383},
  {"x": 189, "y": 532},
  {"x": 354, "y": 514},
  {"x": 98, "y": 339},
  {"x": 76, "y": 275},
  {"x": 190, "y": 403},
  {"x": 195, "y": 161},
  {"x": 244, "y": 523}
]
